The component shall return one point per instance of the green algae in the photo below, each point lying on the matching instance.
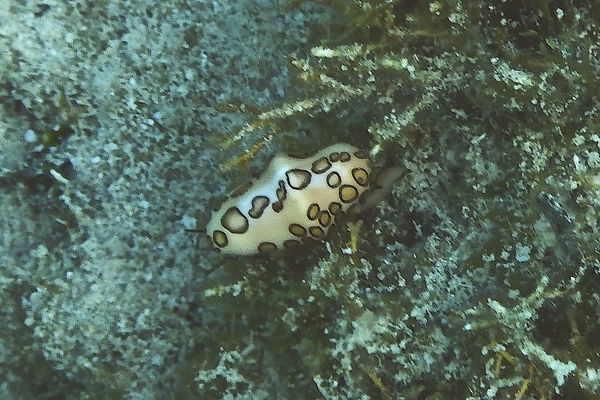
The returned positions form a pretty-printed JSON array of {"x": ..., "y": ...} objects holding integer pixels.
[{"x": 493, "y": 109}]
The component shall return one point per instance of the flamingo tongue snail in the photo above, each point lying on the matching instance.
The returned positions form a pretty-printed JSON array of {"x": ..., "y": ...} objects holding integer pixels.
[{"x": 297, "y": 200}]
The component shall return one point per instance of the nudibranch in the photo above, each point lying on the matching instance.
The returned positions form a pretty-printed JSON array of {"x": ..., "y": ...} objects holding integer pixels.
[{"x": 297, "y": 200}]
